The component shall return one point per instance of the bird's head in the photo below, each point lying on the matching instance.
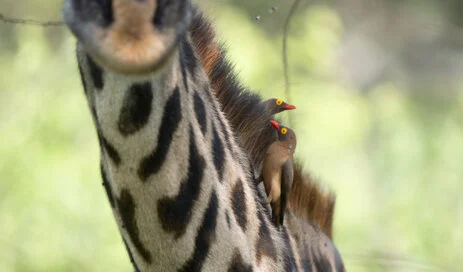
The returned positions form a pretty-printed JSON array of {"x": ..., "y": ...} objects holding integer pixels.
[
  {"x": 285, "y": 135},
  {"x": 276, "y": 105}
]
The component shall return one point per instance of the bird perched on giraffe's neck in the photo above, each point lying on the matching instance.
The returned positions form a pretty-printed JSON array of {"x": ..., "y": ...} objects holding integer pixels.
[
  {"x": 275, "y": 106},
  {"x": 277, "y": 171}
]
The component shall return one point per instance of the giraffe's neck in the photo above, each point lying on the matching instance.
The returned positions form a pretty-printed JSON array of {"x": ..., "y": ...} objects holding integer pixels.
[{"x": 165, "y": 148}]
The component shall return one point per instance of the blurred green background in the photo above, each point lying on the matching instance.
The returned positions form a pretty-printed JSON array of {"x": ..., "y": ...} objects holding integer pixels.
[{"x": 379, "y": 90}]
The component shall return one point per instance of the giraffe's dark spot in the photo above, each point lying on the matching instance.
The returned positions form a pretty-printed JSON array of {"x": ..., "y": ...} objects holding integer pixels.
[
  {"x": 206, "y": 236},
  {"x": 168, "y": 13},
  {"x": 265, "y": 244},
  {"x": 237, "y": 263},
  {"x": 175, "y": 213},
  {"x": 92, "y": 105},
  {"x": 110, "y": 150},
  {"x": 188, "y": 61},
  {"x": 200, "y": 111},
  {"x": 208, "y": 92},
  {"x": 171, "y": 118},
  {"x": 132, "y": 260},
  {"x": 94, "y": 12},
  {"x": 265, "y": 208},
  {"x": 81, "y": 72},
  {"x": 288, "y": 254},
  {"x": 126, "y": 206},
  {"x": 96, "y": 73},
  {"x": 322, "y": 264},
  {"x": 225, "y": 133},
  {"x": 218, "y": 153},
  {"x": 183, "y": 71},
  {"x": 136, "y": 109},
  {"x": 189, "y": 57},
  {"x": 107, "y": 186},
  {"x": 238, "y": 199},
  {"x": 227, "y": 217},
  {"x": 98, "y": 78},
  {"x": 323, "y": 258},
  {"x": 102, "y": 142},
  {"x": 305, "y": 258}
]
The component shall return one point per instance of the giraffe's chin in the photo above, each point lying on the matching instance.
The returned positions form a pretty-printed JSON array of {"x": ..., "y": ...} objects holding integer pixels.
[{"x": 129, "y": 37}]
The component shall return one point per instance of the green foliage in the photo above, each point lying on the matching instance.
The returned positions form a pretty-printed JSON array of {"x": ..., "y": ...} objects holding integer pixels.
[{"x": 394, "y": 159}]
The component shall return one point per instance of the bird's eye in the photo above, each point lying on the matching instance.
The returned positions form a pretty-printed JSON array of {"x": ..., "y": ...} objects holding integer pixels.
[
  {"x": 279, "y": 102},
  {"x": 284, "y": 130}
]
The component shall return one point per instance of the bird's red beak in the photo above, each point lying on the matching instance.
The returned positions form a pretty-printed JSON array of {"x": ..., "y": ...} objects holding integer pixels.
[
  {"x": 275, "y": 124},
  {"x": 289, "y": 107}
]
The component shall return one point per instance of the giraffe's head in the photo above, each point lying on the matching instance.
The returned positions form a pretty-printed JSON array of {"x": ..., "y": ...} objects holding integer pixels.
[{"x": 128, "y": 36}]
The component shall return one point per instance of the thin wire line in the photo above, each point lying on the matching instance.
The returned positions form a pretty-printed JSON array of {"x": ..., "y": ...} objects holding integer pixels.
[
  {"x": 285, "y": 53},
  {"x": 390, "y": 260},
  {"x": 8, "y": 20}
]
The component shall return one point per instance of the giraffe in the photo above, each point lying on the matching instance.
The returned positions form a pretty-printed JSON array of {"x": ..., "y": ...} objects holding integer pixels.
[{"x": 178, "y": 181}]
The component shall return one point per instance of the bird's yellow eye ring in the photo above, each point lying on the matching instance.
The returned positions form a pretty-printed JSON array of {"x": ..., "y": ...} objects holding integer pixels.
[
  {"x": 284, "y": 131},
  {"x": 279, "y": 102}
]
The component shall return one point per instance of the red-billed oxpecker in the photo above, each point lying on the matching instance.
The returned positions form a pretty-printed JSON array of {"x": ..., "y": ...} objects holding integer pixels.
[{"x": 277, "y": 171}]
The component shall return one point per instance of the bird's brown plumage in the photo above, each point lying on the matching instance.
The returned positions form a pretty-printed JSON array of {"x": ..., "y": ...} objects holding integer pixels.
[{"x": 278, "y": 172}]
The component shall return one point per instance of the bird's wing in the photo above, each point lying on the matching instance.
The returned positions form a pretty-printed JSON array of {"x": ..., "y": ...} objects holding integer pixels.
[{"x": 287, "y": 175}]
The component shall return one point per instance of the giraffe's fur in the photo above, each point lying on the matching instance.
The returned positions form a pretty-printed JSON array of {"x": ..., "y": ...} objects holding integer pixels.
[
  {"x": 180, "y": 185},
  {"x": 250, "y": 119},
  {"x": 244, "y": 109}
]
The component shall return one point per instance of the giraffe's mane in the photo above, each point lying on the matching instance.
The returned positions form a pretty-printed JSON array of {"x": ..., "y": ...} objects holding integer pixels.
[
  {"x": 243, "y": 108},
  {"x": 250, "y": 120},
  {"x": 311, "y": 200}
]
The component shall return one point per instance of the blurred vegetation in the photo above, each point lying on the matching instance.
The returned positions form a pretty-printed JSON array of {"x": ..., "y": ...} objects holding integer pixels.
[{"x": 391, "y": 148}]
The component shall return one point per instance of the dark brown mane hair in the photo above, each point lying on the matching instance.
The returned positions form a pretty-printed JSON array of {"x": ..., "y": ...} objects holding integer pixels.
[
  {"x": 251, "y": 122},
  {"x": 244, "y": 109},
  {"x": 310, "y": 200}
]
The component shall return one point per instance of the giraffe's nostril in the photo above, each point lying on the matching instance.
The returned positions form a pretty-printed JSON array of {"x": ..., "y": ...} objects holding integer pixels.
[
  {"x": 106, "y": 7},
  {"x": 99, "y": 12}
]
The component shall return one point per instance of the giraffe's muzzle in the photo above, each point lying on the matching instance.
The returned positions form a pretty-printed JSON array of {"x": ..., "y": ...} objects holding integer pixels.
[{"x": 128, "y": 36}]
